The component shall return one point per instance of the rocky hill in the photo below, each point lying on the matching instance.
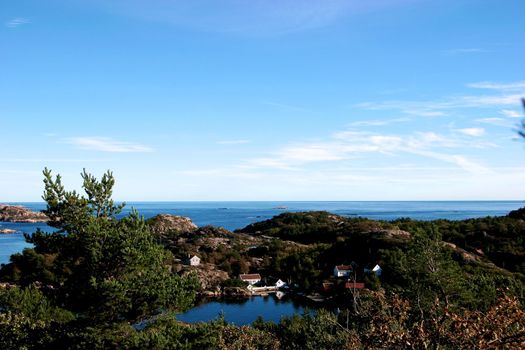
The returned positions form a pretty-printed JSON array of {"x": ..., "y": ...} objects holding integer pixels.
[
  {"x": 17, "y": 213},
  {"x": 165, "y": 225}
]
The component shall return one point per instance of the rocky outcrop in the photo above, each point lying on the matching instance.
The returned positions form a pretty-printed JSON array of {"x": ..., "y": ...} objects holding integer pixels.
[
  {"x": 392, "y": 234},
  {"x": 17, "y": 213},
  {"x": 213, "y": 231},
  {"x": 465, "y": 256},
  {"x": 236, "y": 292},
  {"x": 7, "y": 231},
  {"x": 164, "y": 224},
  {"x": 209, "y": 276}
]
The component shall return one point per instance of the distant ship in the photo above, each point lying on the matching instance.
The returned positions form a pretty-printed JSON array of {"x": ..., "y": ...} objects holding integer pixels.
[{"x": 280, "y": 207}]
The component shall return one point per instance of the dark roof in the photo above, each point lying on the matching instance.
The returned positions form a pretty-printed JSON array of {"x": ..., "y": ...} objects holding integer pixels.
[
  {"x": 252, "y": 276},
  {"x": 344, "y": 267}
]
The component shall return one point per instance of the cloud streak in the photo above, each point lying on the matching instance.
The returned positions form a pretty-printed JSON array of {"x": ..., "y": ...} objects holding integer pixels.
[
  {"x": 503, "y": 95},
  {"x": 474, "y": 132},
  {"x": 349, "y": 145},
  {"x": 463, "y": 51},
  {"x": 233, "y": 142},
  {"x": 106, "y": 144},
  {"x": 254, "y": 17},
  {"x": 16, "y": 22},
  {"x": 511, "y": 113},
  {"x": 519, "y": 85},
  {"x": 378, "y": 122},
  {"x": 496, "y": 121},
  {"x": 50, "y": 160}
]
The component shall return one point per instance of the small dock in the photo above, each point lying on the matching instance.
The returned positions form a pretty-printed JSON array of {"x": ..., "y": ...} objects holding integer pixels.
[{"x": 263, "y": 290}]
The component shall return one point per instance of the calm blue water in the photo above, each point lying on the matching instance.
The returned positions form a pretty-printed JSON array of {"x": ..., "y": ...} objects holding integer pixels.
[
  {"x": 245, "y": 311},
  {"x": 234, "y": 215}
]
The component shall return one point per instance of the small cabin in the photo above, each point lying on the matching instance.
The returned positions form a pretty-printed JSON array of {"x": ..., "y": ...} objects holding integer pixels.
[
  {"x": 251, "y": 278},
  {"x": 192, "y": 260},
  {"x": 280, "y": 284},
  {"x": 343, "y": 271},
  {"x": 377, "y": 270}
]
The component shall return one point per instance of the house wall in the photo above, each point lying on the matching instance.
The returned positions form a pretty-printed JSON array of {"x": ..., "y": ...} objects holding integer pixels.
[
  {"x": 251, "y": 281},
  {"x": 338, "y": 273}
]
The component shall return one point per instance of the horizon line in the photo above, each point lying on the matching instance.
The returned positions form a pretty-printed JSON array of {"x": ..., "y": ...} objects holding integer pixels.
[{"x": 296, "y": 201}]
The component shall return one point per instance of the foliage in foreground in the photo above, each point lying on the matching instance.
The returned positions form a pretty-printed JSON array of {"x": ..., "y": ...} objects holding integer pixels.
[
  {"x": 388, "y": 322},
  {"x": 86, "y": 285},
  {"x": 99, "y": 267}
]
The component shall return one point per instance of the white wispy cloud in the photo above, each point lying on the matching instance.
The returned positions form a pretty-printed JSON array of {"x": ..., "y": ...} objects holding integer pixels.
[
  {"x": 502, "y": 96},
  {"x": 471, "y": 50},
  {"x": 457, "y": 159},
  {"x": 348, "y": 145},
  {"x": 345, "y": 181},
  {"x": 233, "y": 142},
  {"x": 474, "y": 132},
  {"x": 254, "y": 17},
  {"x": 511, "y": 113},
  {"x": 488, "y": 101},
  {"x": 16, "y": 22},
  {"x": 106, "y": 144},
  {"x": 498, "y": 86},
  {"x": 378, "y": 122},
  {"x": 435, "y": 108},
  {"x": 269, "y": 162},
  {"x": 496, "y": 121},
  {"x": 229, "y": 172},
  {"x": 424, "y": 113},
  {"x": 50, "y": 160}
]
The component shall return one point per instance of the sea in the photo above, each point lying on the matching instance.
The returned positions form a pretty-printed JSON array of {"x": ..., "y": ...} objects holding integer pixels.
[{"x": 236, "y": 215}]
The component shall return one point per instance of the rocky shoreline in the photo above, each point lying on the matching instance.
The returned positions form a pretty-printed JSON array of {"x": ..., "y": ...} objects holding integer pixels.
[{"x": 18, "y": 213}]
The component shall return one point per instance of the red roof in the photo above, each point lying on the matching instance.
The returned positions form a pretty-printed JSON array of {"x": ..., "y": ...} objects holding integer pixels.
[
  {"x": 356, "y": 285},
  {"x": 344, "y": 267}
]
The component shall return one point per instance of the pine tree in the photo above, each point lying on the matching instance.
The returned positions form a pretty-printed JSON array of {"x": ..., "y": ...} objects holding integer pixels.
[{"x": 96, "y": 264}]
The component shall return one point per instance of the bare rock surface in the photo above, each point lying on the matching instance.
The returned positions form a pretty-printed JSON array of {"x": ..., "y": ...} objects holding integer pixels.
[
  {"x": 393, "y": 234},
  {"x": 18, "y": 213},
  {"x": 210, "y": 277},
  {"x": 163, "y": 224}
]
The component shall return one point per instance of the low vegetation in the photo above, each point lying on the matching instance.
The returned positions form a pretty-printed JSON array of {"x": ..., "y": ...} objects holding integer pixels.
[{"x": 102, "y": 282}]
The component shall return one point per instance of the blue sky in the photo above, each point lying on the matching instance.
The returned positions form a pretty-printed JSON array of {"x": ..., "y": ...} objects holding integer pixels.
[{"x": 264, "y": 100}]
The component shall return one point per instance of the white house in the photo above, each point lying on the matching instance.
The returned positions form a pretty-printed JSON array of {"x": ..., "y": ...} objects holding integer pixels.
[
  {"x": 376, "y": 269},
  {"x": 192, "y": 260},
  {"x": 343, "y": 270},
  {"x": 251, "y": 278},
  {"x": 280, "y": 284}
]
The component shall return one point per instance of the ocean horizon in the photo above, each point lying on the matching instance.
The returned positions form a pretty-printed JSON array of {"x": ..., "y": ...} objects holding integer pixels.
[{"x": 234, "y": 215}]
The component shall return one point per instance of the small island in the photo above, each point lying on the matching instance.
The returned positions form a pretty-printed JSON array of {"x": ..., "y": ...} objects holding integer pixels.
[
  {"x": 7, "y": 231},
  {"x": 18, "y": 213}
]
